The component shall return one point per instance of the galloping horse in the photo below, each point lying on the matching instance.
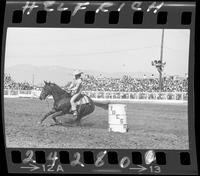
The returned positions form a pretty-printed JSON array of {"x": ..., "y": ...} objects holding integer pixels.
[{"x": 62, "y": 103}]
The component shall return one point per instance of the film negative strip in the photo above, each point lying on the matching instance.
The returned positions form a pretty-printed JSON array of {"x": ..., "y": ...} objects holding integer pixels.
[{"x": 117, "y": 80}]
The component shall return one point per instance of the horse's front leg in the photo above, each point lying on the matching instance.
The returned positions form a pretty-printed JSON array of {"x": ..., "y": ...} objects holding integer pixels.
[
  {"x": 56, "y": 114},
  {"x": 47, "y": 114}
]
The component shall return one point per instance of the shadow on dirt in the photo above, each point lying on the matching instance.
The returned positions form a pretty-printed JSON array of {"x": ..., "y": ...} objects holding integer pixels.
[{"x": 71, "y": 123}]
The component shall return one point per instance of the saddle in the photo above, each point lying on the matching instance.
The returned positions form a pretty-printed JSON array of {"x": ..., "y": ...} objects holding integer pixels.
[{"x": 82, "y": 99}]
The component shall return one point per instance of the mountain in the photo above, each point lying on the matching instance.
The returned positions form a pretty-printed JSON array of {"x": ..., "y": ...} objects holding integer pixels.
[{"x": 58, "y": 74}]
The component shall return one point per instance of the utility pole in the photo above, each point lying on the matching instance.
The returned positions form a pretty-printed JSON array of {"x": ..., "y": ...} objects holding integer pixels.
[
  {"x": 161, "y": 59},
  {"x": 159, "y": 64}
]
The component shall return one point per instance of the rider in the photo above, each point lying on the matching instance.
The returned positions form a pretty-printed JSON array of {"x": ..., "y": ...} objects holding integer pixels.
[{"x": 76, "y": 89}]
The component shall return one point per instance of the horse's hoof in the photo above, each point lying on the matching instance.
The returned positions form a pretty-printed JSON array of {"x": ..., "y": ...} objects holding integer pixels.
[
  {"x": 57, "y": 123},
  {"x": 39, "y": 123}
]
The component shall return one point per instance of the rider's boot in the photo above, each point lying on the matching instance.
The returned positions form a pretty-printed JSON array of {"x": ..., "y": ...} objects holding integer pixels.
[
  {"x": 77, "y": 120},
  {"x": 75, "y": 113}
]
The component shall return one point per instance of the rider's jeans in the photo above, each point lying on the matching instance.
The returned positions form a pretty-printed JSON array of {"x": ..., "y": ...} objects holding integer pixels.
[{"x": 72, "y": 101}]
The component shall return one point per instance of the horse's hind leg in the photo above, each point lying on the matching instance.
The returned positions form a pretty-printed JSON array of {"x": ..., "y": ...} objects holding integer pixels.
[{"x": 78, "y": 120}]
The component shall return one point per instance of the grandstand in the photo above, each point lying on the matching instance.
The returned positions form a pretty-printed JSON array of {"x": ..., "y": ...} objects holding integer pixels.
[
  {"x": 126, "y": 88},
  {"x": 129, "y": 84}
]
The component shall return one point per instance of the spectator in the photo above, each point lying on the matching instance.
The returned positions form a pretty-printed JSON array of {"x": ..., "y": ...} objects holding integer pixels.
[
  {"x": 9, "y": 83},
  {"x": 128, "y": 84},
  {"x": 124, "y": 84}
]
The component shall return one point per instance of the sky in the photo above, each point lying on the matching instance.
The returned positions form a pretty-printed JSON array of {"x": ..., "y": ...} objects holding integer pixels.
[{"x": 106, "y": 50}]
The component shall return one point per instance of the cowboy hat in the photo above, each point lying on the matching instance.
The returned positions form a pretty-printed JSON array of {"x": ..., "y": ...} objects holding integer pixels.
[{"x": 77, "y": 72}]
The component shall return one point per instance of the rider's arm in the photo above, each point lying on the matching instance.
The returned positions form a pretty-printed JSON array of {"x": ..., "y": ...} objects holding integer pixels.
[
  {"x": 71, "y": 85},
  {"x": 77, "y": 85}
]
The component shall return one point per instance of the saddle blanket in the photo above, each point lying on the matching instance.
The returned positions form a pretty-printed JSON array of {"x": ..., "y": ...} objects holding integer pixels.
[{"x": 83, "y": 100}]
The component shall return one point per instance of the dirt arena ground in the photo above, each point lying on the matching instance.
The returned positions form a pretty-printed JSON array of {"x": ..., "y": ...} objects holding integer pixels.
[{"x": 151, "y": 126}]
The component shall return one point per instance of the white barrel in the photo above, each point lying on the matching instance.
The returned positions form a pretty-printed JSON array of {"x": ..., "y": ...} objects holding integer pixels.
[
  {"x": 117, "y": 109},
  {"x": 117, "y": 118}
]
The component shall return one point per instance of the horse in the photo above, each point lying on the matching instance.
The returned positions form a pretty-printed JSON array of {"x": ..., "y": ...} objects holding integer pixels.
[{"x": 62, "y": 105}]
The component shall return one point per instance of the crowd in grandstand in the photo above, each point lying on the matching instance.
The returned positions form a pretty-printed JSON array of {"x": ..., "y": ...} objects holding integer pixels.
[
  {"x": 9, "y": 83},
  {"x": 124, "y": 84},
  {"x": 129, "y": 84}
]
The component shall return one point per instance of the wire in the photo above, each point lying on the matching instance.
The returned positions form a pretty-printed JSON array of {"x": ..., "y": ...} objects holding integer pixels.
[
  {"x": 177, "y": 50},
  {"x": 96, "y": 53}
]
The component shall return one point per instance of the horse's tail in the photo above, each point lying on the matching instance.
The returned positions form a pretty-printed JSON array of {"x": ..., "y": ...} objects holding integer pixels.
[{"x": 101, "y": 105}]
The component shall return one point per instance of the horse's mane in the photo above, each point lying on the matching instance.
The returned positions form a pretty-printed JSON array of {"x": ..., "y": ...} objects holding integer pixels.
[{"x": 58, "y": 87}]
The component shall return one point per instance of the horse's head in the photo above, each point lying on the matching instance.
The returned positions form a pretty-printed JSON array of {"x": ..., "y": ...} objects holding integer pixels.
[{"x": 46, "y": 90}]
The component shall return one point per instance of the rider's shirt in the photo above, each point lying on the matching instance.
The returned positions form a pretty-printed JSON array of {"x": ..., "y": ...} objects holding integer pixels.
[{"x": 76, "y": 86}]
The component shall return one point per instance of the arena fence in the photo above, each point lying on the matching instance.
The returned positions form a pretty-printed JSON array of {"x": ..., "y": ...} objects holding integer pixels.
[{"x": 181, "y": 96}]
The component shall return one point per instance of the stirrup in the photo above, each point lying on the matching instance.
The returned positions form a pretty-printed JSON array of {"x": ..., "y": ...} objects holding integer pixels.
[{"x": 75, "y": 113}]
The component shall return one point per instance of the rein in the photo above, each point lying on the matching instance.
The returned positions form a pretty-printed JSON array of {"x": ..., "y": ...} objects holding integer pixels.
[{"x": 47, "y": 103}]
